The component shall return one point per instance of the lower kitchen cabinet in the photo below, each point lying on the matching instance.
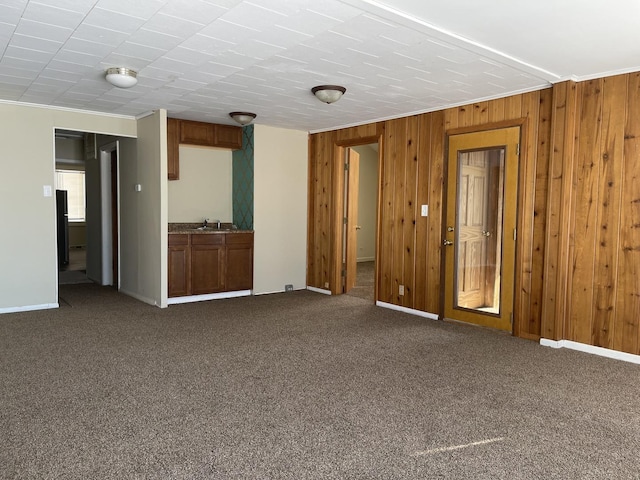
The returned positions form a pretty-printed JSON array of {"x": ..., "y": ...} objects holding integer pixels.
[
  {"x": 207, "y": 264},
  {"x": 179, "y": 265},
  {"x": 240, "y": 261},
  {"x": 210, "y": 263}
]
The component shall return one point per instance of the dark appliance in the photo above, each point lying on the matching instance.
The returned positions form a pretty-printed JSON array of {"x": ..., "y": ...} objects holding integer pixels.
[{"x": 62, "y": 221}]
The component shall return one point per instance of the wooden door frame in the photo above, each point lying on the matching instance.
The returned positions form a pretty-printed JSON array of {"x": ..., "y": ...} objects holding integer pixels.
[
  {"x": 525, "y": 160},
  {"x": 350, "y": 232},
  {"x": 338, "y": 185}
]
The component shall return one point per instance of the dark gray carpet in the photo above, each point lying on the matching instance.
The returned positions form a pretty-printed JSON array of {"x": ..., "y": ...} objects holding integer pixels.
[{"x": 300, "y": 386}]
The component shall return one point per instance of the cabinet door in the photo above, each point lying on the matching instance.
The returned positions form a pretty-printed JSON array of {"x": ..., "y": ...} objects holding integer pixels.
[
  {"x": 239, "y": 261},
  {"x": 178, "y": 270},
  {"x": 196, "y": 133},
  {"x": 207, "y": 269},
  {"x": 239, "y": 267},
  {"x": 226, "y": 136},
  {"x": 173, "y": 148}
]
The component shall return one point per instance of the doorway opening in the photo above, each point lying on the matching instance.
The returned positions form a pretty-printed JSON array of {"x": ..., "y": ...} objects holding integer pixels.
[
  {"x": 87, "y": 236},
  {"x": 361, "y": 215},
  {"x": 480, "y": 234}
]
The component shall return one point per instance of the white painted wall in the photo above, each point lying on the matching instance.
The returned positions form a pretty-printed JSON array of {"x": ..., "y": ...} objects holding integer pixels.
[
  {"x": 29, "y": 277},
  {"x": 128, "y": 215},
  {"x": 280, "y": 208},
  {"x": 143, "y": 214},
  {"x": 367, "y": 202},
  {"x": 204, "y": 189}
]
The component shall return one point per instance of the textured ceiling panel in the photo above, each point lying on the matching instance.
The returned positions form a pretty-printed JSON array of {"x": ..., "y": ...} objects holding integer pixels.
[{"x": 200, "y": 59}]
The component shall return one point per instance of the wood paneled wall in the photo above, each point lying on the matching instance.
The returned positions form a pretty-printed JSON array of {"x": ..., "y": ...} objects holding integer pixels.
[
  {"x": 578, "y": 246},
  {"x": 596, "y": 299},
  {"x": 411, "y": 176},
  {"x": 320, "y": 255}
]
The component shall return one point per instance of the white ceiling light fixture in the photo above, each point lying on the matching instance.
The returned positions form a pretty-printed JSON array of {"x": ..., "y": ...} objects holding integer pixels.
[
  {"x": 122, "y": 77},
  {"x": 328, "y": 93},
  {"x": 243, "y": 118}
]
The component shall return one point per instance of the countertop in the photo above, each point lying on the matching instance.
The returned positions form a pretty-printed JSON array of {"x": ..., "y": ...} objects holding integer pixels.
[{"x": 176, "y": 228}]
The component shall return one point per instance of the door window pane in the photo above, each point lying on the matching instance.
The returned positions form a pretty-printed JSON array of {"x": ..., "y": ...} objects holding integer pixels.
[{"x": 479, "y": 230}]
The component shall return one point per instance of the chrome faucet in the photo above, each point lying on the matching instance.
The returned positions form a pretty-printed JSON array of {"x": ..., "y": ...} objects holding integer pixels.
[{"x": 205, "y": 223}]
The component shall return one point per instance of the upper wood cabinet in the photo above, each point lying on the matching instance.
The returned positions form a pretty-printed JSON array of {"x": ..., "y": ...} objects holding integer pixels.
[
  {"x": 227, "y": 136},
  {"x": 189, "y": 132},
  {"x": 173, "y": 148},
  {"x": 197, "y": 133}
]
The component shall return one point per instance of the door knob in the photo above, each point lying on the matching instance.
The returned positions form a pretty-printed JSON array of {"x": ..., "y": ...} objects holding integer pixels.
[
  {"x": 446, "y": 243},
  {"x": 358, "y": 227},
  {"x": 486, "y": 233}
]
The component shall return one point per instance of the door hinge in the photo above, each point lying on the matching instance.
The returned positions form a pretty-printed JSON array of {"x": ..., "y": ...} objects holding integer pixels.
[
  {"x": 515, "y": 234},
  {"x": 343, "y": 273},
  {"x": 518, "y": 149},
  {"x": 345, "y": 220},
  {"x": 346, "y": 166}
]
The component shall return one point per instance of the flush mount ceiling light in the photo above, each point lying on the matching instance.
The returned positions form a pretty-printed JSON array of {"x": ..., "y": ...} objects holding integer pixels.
[
  {"x": 121, "y": 77},
  {"x": 328, "y": 93},
  {"x": 243, "y": 118}
]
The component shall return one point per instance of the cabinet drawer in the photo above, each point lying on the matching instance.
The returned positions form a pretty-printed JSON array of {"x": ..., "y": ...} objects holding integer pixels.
[
  {"x": 178, "y": 239},
  {"x": 207, "y": 239},
  {"x": 240, "y": 238}
]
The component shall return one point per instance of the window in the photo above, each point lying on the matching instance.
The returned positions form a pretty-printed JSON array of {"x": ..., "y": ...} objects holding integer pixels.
[{"x": 73, "y": 182}]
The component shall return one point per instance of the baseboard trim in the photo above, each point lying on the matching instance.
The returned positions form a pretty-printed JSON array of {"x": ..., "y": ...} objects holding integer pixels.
[
  {"x": 411, "y": 311},
  {"x": 29, "y": 308},
  {"x": 365, "y": 259},
  {"x": 149, "y": 301},
  {"x": 583, "y": 347},
  {"x": 208, "y": 296},
  {"x": 319, "y": 290},
  {"x": 277, "y": 291}
]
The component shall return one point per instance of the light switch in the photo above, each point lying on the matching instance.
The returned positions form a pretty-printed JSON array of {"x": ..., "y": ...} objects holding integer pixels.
[
  {"x": 138, "y": 187},
  {"x": 47, "y": 191},
  {"x": 425, "y": 210}
]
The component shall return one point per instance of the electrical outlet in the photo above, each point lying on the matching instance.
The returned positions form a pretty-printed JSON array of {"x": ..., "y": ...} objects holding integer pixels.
[
  {"x": 288, "y": 287},
  {"x": 401, "y": 290},
  {"x": 326, "y": 284}
]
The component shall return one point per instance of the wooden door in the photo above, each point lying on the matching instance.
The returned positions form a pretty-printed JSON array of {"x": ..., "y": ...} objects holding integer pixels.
[
  {"x": 480, "y": 227},
  {"x": 351, "y": 225}
]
